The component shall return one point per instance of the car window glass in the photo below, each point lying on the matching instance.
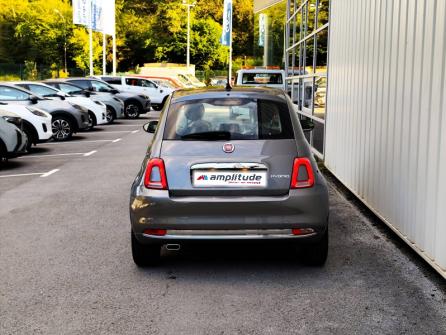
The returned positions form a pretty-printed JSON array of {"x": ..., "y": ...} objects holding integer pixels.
[
  {"x": 42, "y": 90},
  {"x": 100, "y": 87},
  {"x": 147, "y": 83},
  {"x": 236, "y": 118},
  {"x": 132, "y": 82},
  {"x": 112, "y": 80},
  {"x": 82, "y": 83},
  {"x": 70, "y": 89},
  {"x": 9, "y": 93}
]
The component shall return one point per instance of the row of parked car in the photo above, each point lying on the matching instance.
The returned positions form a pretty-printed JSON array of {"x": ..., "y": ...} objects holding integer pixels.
[{"x": 33, "y": 112}]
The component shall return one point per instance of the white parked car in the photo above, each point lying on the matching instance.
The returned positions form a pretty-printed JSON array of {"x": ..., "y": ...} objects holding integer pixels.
[
  {"x": 96, "y": 109},
  {"x": 12, "y": 139},
  {"x": 157, "y": 94},
  {"x": 36, "y": 123}
]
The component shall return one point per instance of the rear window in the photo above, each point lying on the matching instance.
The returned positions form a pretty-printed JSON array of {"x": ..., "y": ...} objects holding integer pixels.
[
  {"x": 228, "y": 119},
  {"x": 261, "y": 78}
]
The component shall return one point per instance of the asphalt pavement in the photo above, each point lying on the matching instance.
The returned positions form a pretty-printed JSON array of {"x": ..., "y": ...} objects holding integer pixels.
[{"x": 66, "y": 266}]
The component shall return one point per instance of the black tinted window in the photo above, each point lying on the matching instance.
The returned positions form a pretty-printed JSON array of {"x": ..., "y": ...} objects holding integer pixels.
[
  {"x": 262, "y": 78},
  {"x": 228, "y": 119},
  {"x": 112, "y": 80}
]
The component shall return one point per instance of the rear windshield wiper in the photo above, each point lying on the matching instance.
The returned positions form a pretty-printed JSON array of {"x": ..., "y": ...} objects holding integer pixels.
[{"x": 208, "y": 135}]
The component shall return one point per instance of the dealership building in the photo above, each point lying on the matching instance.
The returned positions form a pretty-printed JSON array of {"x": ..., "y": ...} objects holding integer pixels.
[{"x": 377, "y": 104}]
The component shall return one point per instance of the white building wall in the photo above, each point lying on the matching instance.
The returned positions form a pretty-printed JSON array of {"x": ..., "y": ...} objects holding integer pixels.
[{"x": 386, "y": 119}]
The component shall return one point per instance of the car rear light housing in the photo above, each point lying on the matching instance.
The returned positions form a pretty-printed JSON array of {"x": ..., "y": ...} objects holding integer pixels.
[
  {"x": 302, "y": 231},
  {"x": 155, "y": 232},
  {"x": 303, "y": 175},
  {"x": 155, "y": 175}
]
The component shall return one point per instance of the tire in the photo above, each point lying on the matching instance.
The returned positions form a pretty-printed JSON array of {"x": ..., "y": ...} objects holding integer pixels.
[
  {"x": 145, "y": 255},
  {"x": 315, "y": 254},
  {"x": 160, "y": 106},
  {"x": 110, "y": 115},
  {"x": 62, "y": 128},
  {"x": 3, "y": 153},
  {"x": 132, "y": 109},
  {"x": 157, "y": 107},
  {"x": 91, "y": 121},
  {"x": 31, "y": 138}
]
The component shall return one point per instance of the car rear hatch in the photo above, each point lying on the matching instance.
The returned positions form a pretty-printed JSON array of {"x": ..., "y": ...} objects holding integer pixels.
[
  {"x": 204, "y": 169},
  {"x": 236, "y": 148}
]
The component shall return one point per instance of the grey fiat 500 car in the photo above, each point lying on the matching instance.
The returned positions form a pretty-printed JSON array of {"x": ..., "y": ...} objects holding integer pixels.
[{"x": 228, "y": 165}]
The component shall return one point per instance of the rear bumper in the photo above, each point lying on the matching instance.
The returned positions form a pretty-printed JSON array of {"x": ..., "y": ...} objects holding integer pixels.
[{"x": 210, "y": 218}]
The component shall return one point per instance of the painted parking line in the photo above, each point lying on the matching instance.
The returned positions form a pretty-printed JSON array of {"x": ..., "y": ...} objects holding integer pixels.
[
  {"x": 135, "y": 131},
  {"x": 41, "y": 174},
  {"x": 90, "y": 153},
  {"x": 73, "y": 142},
  {"x": 49, "y": 173},
  {"x": 53, "y": 155},
  {"x": 127, "y": 125},
  {"x": 85, "y": 154},
  {"x": 111, "y": 132},
  {"x": 117, "y": 140}
]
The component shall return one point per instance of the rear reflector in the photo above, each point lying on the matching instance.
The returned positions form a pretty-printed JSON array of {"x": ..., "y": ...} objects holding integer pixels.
[
  {"x": 303, "y": 175},
  {"x": 155, "y": 232},
  {"x": 155, "y": 176},
  {"x": 303, "y": 231}
]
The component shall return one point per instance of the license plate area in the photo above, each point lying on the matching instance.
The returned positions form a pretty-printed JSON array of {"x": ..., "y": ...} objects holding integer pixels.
[{"x": 233, "y": 175}]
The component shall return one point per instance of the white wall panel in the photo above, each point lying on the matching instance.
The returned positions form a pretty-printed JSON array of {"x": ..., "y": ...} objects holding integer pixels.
[{"x": 386, "y": 125}]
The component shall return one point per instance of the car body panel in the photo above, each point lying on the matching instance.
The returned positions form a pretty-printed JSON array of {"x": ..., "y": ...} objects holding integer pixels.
[
  {"x": 51, "y": 106},
  {"x": 41, "y": 124},
  {"x": 184, "y": 207},
  {"x": 12, "y": 137},
  {"x": 98, "y": 110}
]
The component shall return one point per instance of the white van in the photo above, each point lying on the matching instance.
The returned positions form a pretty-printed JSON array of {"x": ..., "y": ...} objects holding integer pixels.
[{"x": 261, "y": 77}]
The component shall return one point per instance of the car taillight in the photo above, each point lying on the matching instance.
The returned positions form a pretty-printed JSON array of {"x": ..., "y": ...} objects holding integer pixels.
[
  {"x": 155, "y": 232},
  {"x": 155, "y": 176},
  {"x": 303, "y": 175}
]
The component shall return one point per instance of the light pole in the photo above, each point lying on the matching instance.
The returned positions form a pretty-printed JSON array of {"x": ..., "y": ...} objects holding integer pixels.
[
  {"x": 65, "y": 39},
  {"x": 189, "y": 5}
]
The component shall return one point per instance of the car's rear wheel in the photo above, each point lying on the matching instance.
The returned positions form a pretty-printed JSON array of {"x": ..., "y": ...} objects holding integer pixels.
[
  {"x": 315, "y": 254},
  {"x": 145, "y": 254},
  {"x": 62, "y": 128}
]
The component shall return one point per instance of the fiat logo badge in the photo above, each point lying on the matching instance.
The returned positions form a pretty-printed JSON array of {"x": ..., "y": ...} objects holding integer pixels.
[{"x": 228, "y": 147}]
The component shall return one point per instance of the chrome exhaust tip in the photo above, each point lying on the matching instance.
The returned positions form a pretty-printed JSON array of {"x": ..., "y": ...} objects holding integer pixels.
[{"x": 173, "y": 247}]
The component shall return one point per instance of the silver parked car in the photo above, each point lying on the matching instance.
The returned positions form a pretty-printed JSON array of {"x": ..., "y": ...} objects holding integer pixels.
[
  {"x": 114, "y": 106},
  {"x": 134, "y": 104},
  {"x": 228, "y": 165}
]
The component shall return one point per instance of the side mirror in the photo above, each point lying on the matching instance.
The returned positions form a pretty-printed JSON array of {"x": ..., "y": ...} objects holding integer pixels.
[
  {"x": 87, "y": 93},
  {"x": 150, "y": 127},
  {"x": 33, "y": 99},
  {"x": 114, "y": 91},
  {"x": 307, "y": 125},
  {"x": 61, "y": 95}
]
